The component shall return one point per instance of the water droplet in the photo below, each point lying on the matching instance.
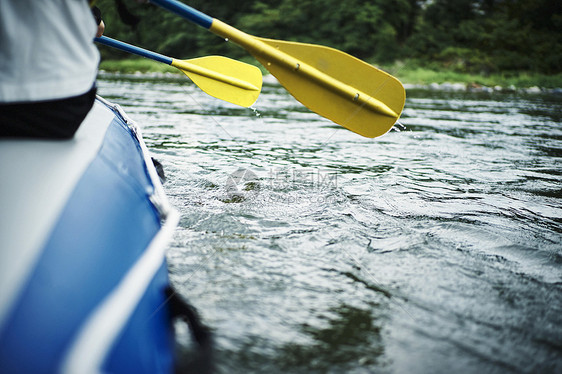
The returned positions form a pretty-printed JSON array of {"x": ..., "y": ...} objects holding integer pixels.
[
  {"x": 226, "y": 39},
  {"x": 255, "y": 111},
  {"x": 398, "y": 127}
]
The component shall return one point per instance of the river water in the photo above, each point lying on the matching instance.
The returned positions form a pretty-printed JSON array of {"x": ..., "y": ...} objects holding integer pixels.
[{"x": 436, "y": 248}]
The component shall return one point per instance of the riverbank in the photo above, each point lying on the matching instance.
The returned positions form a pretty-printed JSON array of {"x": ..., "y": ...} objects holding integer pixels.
[{"x": 411, "y": 77}]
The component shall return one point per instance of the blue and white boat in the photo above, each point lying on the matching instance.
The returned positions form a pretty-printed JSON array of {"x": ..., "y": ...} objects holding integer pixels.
[{"x": 84, "y": 226}]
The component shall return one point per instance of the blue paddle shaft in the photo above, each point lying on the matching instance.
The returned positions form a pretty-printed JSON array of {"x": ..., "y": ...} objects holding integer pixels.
[
  {"x": 132, "y": 49},
  {"x": 185, "y": 11}
]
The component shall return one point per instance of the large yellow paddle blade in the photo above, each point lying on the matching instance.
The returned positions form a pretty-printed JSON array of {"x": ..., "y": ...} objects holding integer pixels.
[
  {"x": 224, "y": 78},
  {"x": 332, "y": 83},
  {"x": 338, "y": 86}
]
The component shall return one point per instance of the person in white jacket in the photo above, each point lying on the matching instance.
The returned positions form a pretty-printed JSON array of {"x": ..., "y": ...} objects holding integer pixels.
[{"x": 48, "y": 67}]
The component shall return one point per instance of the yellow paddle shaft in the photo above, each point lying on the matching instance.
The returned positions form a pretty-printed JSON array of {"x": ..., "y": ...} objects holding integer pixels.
[
  {"x": 261, "y": 49},
  {"x": 200, "y": 70}
]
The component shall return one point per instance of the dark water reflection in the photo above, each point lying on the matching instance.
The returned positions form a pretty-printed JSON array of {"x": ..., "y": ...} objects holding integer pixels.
[{"x": 433, "y": 249}]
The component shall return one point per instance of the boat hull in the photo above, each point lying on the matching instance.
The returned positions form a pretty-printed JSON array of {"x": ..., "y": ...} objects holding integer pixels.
[{"x": 89, "y": 295}]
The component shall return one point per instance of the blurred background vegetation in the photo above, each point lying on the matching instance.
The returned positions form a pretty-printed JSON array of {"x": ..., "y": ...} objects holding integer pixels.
[{"x": 466, "y": 36}]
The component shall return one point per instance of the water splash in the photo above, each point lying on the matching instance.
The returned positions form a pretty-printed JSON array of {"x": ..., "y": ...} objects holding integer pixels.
[
  {"x": 398, "y": 127},
  {"x": 255, "y": 110}
]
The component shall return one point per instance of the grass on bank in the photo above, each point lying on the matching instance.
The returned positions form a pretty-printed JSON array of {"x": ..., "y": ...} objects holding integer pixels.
[
  {"x": 407, "y": 73},
  {"x": 133, "y": 65},
  {"x": 420, "y": 75}
]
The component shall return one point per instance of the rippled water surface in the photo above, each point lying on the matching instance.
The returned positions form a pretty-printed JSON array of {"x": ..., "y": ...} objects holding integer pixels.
[{"x": 436, "y": 248}]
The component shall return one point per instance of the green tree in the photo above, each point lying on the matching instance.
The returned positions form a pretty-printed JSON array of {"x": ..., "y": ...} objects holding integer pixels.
[{"x": 467, "y": 35}]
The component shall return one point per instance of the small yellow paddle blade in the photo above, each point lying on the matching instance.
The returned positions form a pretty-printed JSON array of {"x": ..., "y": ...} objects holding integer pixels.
[
  {"x": 226, "y": 79},
  {"x": 338, "y": 86}
]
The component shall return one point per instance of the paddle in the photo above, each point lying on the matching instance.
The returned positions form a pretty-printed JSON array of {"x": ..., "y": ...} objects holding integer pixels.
[
  {"x": 331, "y": 83},
  {"x": 221, "y": 77}
]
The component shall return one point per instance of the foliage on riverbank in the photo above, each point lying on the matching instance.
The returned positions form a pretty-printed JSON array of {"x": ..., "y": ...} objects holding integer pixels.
[
  {"x": 408, "y": 73},
  {"x": 136, "y": 65},
  {"x": 414, "y": 74},
  {"x": 482, "y": 37}
]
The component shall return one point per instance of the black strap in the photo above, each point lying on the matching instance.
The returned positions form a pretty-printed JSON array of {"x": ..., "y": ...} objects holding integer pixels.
[
  {"x": 97, "y": 14},
  {"x": 200, "y": 333},
  {"x": 159, "y": 170},
  {"x": 50, "y": 119}
]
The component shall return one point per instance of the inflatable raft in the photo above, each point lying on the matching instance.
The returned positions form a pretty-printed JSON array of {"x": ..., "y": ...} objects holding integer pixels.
[{"x": 84, "y": 228}]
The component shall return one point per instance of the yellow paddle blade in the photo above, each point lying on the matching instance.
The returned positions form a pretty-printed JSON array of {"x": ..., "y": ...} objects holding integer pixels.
[
  {"x": 226, "y": 79},
  {"x": 338, "y": 86}
]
